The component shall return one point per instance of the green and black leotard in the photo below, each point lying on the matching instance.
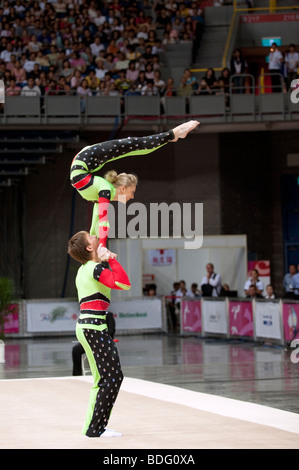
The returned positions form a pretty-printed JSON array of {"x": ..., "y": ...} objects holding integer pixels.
[{"x": 92, "y": 158}]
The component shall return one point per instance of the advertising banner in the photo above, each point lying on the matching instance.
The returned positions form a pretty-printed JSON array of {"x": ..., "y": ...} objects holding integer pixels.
[
  {"x": 11, "y": 322},
  {"x": 214, "y": 316},
  {"x": 240, "y": 318},
  {"x": 137, "y": 314},
  {"x": 290, "y": 316},
  {"x": 191, "y": 316},
  {"x": 47, "y": 316},
  {"x": 267, "y": 320}
]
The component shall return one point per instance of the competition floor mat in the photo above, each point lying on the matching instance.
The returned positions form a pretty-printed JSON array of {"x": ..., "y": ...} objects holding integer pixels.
[{"x": 48, "y": 413}]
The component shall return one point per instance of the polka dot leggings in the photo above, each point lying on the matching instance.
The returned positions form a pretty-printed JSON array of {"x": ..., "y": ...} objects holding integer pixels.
[{"x": 104, "y": 362}]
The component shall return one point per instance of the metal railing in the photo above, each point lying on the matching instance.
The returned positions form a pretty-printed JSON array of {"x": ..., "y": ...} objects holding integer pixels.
[{"x": 244, "y": 97}]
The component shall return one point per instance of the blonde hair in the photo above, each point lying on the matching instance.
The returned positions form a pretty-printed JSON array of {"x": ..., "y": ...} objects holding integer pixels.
[{"x": 121, "y": 179}]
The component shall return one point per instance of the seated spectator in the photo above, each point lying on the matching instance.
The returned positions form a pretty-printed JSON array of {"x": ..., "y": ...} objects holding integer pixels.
[
  {"x": 102, "y": 89},
  {"x": 269, "y": 292},
  {"x": 76, "y": 79},
  {"x": 169, "y": 88},
  {"x": 149, "y": 71},
  {"x": 100, "y": 70},
  {"x": 224, "y": 80},
  {"x": 29, "y": 64},
  {"x": 210, "y": 79},
  {"x": 77, "y": 62},
  {"x": 13, "y": 89},
  {"x": 152, "y": 291},
  {"x": 122, "y": 83},
  {"x": 19, "y": 73},
  {"x": 83, "y": 90},
  {"x": 52, "y": 87},
  {"x": 253, "y": 292},
  {"x": 131, "y": 53},
  {"x": 147, "y": 57},
  {"x": 34, "y": 45},
  {"x": 158, "y": 47},
  {"x": 195, "y": 291},
  {"x": 31, "y": 89},
  {"x": 96, "y": 47},
  {"x": 6, "y": 53},
  {"x": 158, "y": 82},
  {"x": 162, "y": 19},
  {"x": 151, "y": 40},
  {"x": 11, "y": 64},
  {"x": 53, "y": 55},
  {"x": 93, "y": 81},
  {"x": 67, "y": 71},
  {"x": 42, "y": 81},
  {"x": 62, "y": 85},
  {"x": 185, "y": 89},
  {"x": 109, "y": 63},
  {"x": 43, "y": 61},
  {"x": 35, "y": 72},
  {"x": 211, "y": 282},
  {"x": 121, "y": 63},
  {"x": 178, "y": 25},
  {"x": 191, "y": 79},
  {"x": 132, "y": 72},
  {"x": 141, "y": 81},
  {"x": 140, "y": 47},
  {"x": 288, "y": 281},
  {"x": 150, "y": 89},
  {"x": 254, "y": 279},
  {"x": 112, "y": 48},
  {"x": 182, "y": 292},
  {"x": 108, "y": 80},
  {"x": 203, "y": 88},
  {"x": 156, "y": 62},
  {"x": 112, "y": 90}
]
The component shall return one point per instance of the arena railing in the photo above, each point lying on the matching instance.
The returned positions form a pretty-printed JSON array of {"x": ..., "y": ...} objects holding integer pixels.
[{"x": 254, "y": 103}]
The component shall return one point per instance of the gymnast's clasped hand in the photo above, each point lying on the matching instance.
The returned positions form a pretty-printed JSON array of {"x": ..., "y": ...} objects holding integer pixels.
[{"x": 104, "y": 254}]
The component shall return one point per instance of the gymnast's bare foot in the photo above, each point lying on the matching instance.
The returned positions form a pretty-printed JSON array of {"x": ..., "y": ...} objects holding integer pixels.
[{"x": 182, "y": 130}]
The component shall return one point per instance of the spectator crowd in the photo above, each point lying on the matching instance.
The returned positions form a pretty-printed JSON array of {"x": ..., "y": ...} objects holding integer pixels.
[
  {"x": 103, "y": 47},
  {"x": 112, "y": 47}
]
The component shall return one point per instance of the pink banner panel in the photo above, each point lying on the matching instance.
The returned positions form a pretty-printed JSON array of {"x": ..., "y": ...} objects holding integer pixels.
[
  {"x": 240, "y": 318},
  {"x": 290, "y": 315},
  {"x": 11, "y": 323},
  {"x": 191, "y": 315}
]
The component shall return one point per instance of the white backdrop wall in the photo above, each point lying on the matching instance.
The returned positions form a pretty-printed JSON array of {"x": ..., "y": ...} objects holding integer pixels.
[{"x": 228, "y": 253}]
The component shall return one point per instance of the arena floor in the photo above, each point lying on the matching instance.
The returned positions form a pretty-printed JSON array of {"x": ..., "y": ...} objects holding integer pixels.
[{"x": 178, "y": 393}]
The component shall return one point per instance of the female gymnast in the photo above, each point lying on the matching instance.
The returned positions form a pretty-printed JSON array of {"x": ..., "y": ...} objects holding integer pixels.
[
  {"x": 113, "y": 186},
  {"x": 94, "y": 282}
]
